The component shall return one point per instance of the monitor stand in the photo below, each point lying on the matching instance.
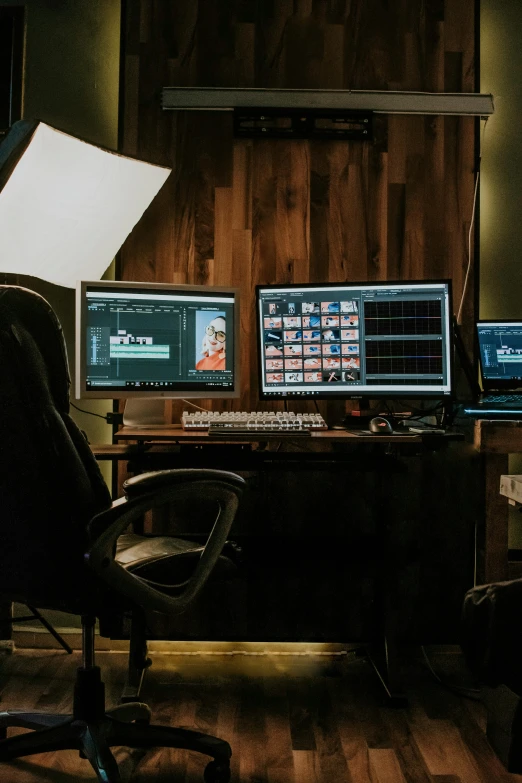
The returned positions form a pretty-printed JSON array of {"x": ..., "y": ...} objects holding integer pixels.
[{"x": 149, "y": 412}]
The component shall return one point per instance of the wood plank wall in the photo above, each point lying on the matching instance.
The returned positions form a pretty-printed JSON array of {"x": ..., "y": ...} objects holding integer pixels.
[{"x": 242, "y": 212}]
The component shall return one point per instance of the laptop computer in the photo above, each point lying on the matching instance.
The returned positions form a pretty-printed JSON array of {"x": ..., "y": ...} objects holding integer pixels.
[{"x": 500, "y": 363}]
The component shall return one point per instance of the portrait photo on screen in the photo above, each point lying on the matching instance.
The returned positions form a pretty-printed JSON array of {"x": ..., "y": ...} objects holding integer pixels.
[
  {"x": 331, "y": 350},
  {"x": 273, "y": 337},
  {"x": 329, "y": 307},
  {"x": 329, "y": 320},
  {"x": 349, "y": 307},
  {"x": 211, "y": 331},
  {"x": 314, "y": 363},
  {"x": 350, "y": 320},
  {"x": 352, "y": 362},
  {"x": 291, "y": 321},
  {"x": 273, "y": 322},
  {"x": 293, "y": 350},
  {"x": 330, "y": 334},
  {"x": 330, "y": 363},
  {"x": 311, "y": 335}
]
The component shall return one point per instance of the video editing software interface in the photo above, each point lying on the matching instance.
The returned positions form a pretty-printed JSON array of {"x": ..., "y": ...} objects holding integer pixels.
[
  {"x": 375, "y": 339},
  {"x": 500, "y": 346},
  {"x": 158, "y": 340}
]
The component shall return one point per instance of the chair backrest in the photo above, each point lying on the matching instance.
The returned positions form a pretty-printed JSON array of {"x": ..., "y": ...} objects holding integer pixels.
[{"x": 50, "y": 483}]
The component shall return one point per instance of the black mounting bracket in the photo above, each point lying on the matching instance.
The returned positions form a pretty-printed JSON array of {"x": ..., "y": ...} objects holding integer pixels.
[{"x": 335, "y": 125}]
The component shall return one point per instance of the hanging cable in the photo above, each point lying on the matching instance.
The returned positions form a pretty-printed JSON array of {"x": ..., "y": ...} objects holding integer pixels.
[
  {"x": 194, "y": 405},
  {"x": 470, "y": 233},
  {"x": 90, "y": 413},
  {"x": 467, "y": 693}
]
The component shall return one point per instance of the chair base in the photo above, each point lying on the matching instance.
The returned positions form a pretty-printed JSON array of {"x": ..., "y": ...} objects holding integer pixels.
[
  {"x": 94, "y": 738},
  {"x": 139, "y": 661},
  {"x": 92, "y": 732}
]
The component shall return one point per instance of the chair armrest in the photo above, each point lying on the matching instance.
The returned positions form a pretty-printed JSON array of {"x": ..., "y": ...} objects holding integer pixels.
[
  {"x": 158, "y": 479},
  {"x": 144, "y": 493}
]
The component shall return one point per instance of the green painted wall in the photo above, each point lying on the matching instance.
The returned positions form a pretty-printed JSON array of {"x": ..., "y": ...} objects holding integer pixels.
[
  {"x": 501, "y": 177},
  {"x": 71, "y": 81}
]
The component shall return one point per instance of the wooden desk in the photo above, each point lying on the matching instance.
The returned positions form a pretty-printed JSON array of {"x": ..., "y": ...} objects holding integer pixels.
[
  {"x": 338, "y": 575},
  {"x": 176, "y": 434},
  {"x": 496, "y": 440}
]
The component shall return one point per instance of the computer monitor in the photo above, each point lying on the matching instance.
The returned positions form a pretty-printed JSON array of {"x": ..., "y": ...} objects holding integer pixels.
[
  {"x": 156, "y": 340},
  {"x": 500, "y": 353},
  {"x": 355, "y": 340}
]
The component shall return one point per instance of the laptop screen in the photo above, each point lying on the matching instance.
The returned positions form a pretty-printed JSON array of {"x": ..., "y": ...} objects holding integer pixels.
[{"x": 500, "y": 354}]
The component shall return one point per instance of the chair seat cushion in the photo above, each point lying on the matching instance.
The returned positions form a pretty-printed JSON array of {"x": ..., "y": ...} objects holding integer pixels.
[{"x": 165, "y": 560}]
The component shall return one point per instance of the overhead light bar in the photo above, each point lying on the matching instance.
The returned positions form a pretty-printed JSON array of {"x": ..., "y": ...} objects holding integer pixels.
[{"x": 380, "y": 102}]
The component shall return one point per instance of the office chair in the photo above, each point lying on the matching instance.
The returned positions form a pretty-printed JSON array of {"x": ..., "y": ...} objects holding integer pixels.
[{"x": 64, "y": 544}]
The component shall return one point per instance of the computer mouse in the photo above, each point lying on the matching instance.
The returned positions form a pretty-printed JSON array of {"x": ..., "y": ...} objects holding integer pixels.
[{"x": 380, "y": 426}]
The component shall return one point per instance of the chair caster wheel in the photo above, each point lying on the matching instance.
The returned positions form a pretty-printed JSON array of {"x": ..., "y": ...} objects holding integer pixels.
[{"x": 217, "y": 772}]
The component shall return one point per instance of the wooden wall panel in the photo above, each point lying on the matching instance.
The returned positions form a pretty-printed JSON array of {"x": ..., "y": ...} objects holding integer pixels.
[{"x": 246, "y": 212}]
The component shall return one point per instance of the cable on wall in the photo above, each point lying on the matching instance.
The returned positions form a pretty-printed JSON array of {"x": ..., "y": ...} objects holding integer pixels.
[{"x": 470, "y": 233}]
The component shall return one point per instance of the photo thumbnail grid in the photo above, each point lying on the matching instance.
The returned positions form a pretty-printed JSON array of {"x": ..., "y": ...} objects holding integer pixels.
[{"x": 311, "y": 342}]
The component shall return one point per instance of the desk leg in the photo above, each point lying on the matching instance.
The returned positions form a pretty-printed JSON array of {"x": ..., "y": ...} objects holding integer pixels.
[
  {"x": 492, "y": 540},
  {"x": 385, "y": 654},
  {"x": 139, "y": 661},
  {"x": 383, "y": 657}
]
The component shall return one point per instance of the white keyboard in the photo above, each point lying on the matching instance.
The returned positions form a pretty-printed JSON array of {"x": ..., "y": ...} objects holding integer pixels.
[{"x": 270, "y": 421}]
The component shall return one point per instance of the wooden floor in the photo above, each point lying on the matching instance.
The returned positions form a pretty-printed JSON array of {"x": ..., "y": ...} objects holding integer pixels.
[{"x": 288, "y": 718}]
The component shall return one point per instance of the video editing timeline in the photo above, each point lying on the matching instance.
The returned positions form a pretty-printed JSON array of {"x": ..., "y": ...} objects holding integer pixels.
[
  {"x": 139, "y": 340},
  {"x": 500, "y": 347},
  {"x": 338, "y": 340}
]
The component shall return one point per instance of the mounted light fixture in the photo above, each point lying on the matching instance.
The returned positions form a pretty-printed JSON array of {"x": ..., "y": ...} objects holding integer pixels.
[
  {"x": 379, "y": 102},
  {"x": 67, "y": 206}
]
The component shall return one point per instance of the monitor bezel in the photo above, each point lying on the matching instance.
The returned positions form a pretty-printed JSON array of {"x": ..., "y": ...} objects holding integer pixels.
[
  {"x": 81, "y": 348},
  {"x": 365, "y": 394}
]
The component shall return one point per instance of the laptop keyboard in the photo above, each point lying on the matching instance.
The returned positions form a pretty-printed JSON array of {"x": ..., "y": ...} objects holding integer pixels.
[{"x": 499, "y": 398}]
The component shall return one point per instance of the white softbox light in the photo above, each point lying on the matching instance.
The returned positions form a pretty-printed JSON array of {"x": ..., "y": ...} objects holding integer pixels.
[{"x": 67, "y": 206}]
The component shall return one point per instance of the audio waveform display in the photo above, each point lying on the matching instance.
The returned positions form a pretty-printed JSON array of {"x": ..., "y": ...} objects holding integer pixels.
[
  {"x": 404, "y": 357},
  {"x": 403, "y": 317}
]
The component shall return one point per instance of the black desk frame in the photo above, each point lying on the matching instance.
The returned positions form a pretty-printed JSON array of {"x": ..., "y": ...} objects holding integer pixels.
[{"x": 151, "y": 449}]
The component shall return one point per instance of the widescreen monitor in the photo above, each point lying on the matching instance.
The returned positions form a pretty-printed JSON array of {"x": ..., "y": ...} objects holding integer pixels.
[
  {"x": 355, "y": 340},
  {"x": 156, "y": 340}
]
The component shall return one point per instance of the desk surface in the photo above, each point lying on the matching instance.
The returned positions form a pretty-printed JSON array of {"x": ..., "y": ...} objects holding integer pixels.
[{"x": 176, "y": 433}]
